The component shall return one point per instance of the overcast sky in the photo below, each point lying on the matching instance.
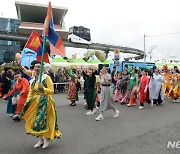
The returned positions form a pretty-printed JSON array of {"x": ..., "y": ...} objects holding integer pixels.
[{"x": 121, "y": 22}]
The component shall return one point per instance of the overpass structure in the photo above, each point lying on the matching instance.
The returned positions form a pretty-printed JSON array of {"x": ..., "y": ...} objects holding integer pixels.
[
  {"x": 31, "y": 17},
  {"x": 96, "y": 46}
]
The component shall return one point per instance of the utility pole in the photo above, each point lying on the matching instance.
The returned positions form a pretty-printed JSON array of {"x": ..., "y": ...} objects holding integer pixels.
[
  {"x": 151, "y": 50},
  {"x": 144, "y": 48}
]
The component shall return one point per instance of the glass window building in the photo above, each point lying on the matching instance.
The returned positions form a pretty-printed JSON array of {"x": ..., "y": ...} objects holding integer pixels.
[{"x": 8, "y": 49}]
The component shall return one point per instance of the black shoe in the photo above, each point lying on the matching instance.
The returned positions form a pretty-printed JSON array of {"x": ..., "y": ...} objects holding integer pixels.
[
  {"x": 17, "y": 118},
  {"x": 73, "y": 104}
]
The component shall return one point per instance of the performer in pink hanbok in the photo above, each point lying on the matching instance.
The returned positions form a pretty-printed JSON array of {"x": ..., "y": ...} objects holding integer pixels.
[
  {"x": 73, "y": 89},
  {"x": 121, "y": 93}
]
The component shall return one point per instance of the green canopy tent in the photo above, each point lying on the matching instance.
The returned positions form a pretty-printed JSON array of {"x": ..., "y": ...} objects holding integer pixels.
[
  {"x": 59, "y": 61},
  {"x": 159, "y": 64},
  {"x": 78, "y": 61},
  {"x": 94, "y": 61},
  {"x": 168, "y": 64},
  {"x": 108, "y": 60}
]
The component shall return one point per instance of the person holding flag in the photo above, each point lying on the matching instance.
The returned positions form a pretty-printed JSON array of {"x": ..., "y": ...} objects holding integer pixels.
[{"x": 39, "y": 110}]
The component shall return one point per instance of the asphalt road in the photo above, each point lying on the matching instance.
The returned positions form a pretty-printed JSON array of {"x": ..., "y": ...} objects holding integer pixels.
[{"x": 135, "y": 131}]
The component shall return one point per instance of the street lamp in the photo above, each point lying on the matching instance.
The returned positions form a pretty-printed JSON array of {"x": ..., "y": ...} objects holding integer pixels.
[
  {"x": 150, "y": 52},
  {"x": 144, "y": 48}
]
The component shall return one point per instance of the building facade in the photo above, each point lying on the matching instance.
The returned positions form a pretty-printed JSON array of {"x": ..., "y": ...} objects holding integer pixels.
[{"x": 8, "y": 49}]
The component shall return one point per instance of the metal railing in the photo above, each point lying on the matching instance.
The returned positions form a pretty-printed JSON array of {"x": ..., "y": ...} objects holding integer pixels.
[{"x": 61, "y": 87}]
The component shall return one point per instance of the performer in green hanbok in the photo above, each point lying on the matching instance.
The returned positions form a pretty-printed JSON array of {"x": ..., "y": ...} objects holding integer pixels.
[{"x": 91, "y": 91}]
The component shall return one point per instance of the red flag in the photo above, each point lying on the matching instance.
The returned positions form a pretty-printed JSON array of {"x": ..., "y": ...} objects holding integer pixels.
[
  {"x": 35, "y": 43},
  {"x": 54, "y": 50}
]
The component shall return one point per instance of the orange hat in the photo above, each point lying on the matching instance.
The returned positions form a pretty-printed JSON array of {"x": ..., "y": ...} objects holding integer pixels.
[{"x": 165, "y": 67}]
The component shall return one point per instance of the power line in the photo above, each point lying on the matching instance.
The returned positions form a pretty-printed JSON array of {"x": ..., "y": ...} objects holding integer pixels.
[
  {"x": 163, "y": 34},
  {"x": 135, "y": 41}
]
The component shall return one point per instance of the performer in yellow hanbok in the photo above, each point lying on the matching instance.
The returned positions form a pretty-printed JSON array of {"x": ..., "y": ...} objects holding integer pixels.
[
  {"x": 175, "y": 88},
  {"x": 167, "y": 84},
  {"x": 39, "y": 111}
]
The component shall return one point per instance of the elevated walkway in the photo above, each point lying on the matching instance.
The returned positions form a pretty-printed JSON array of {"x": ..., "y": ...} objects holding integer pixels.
[{"x": 96, "y": 46}]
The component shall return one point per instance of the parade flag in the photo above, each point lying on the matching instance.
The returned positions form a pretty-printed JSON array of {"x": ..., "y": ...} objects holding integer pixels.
[
  {"x": 35, "y": 43},
  {"x": 51, "y": 35}
]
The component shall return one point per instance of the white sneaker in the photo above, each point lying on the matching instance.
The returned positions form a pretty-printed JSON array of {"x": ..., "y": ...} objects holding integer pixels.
[
  {"x": 177, "y": 100},
  {"x": 95, "y": 110},
  {"x": 141, "y": 107},
  {"x": 129, "y": 105},
  {"x": 100, "y": 117},
  {"x": 174, "y": 101},
  {"x": 151, "y": 104},
  {"x": 14, "y": 116},
  {"x": 46, "y": 143},
  {"x": 11, "y": 115},
  {"x": 40, "y": 143},
  {"x": 90, "y": 112},
  {"x": 116, "y": 114}
]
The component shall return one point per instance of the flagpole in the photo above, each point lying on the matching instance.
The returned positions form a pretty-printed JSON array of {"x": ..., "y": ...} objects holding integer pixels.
[{"x": 42, "y": 59}]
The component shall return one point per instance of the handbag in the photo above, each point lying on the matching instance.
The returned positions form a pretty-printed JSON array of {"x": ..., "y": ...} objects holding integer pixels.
[{"x": 15, "y": 100}]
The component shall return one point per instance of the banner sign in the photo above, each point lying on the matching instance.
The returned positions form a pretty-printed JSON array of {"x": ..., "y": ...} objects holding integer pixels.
[{"x": 116, "y": 57}]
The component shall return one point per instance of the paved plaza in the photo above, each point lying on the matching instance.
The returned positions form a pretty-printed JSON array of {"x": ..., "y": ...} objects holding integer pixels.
[{"x": 135, "y": 131}]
